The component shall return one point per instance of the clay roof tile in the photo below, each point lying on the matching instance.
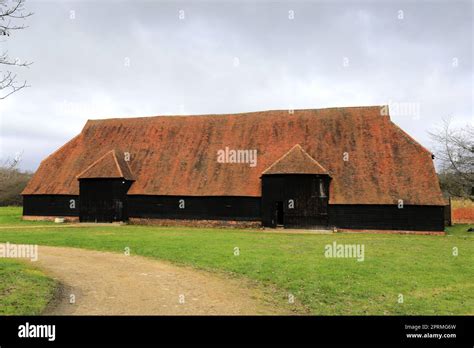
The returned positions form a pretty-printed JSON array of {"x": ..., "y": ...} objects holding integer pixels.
[
  {"x": 110, "y": 165},
  {"x": 370, "y": 160}
]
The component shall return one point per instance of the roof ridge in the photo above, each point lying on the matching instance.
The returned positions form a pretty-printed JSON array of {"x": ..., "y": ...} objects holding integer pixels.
[{"x": 99, "y": 120}]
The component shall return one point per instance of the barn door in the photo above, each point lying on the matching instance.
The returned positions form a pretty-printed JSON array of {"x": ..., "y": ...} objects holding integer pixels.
[
  {"x": 103, "y": 200},
  {"x": 118, "y": 214},
  {"x": 279, "y": 214}
]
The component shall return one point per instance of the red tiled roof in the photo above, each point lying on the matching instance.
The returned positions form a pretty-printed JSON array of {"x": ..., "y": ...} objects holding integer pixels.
[
  {"x": 295, "y": 161},
  {"x": 110, "y": 165},
  {"x": 177, "y": 155}
]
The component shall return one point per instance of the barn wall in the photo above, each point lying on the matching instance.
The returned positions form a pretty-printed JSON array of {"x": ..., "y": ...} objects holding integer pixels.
[
  {"x": 143, "y": 206},
  {"x": 211, "y": 208},
  {"x": 310, "y": 209},
  {"x": 50, "y": 205},
  {"x": 417, "y": 218},
  {"x": 387, "y": 217}
]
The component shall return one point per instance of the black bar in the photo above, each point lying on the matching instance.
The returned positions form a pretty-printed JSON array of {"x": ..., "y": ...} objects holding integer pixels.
[{"x": 130, "y": 330}]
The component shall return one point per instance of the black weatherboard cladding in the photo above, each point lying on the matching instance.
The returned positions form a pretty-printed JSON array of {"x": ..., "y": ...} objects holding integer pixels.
[
  {"x": 388, "y": 217},
  {"x": 188, "y": 207},
  {"x": 100, "y": 199},
  {"x": 144, "y": 206},
  {"x": 51, "y": 205}
]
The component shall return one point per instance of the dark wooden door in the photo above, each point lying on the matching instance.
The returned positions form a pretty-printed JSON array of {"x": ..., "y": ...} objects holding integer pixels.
[
  {"x": 279, "y": 214},
  {"x": 103, "y": 200},
  {"x": 303, "y": 200}
]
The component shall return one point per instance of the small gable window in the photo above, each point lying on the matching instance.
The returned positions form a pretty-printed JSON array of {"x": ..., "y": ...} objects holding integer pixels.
[{"x": 322, "y": 189}]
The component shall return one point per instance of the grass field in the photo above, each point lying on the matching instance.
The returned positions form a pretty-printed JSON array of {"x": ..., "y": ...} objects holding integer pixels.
[
  {"x": 11, "y": 216},
  {"x": 24, "y": 290},
  {"x": 423, "y": 269}
]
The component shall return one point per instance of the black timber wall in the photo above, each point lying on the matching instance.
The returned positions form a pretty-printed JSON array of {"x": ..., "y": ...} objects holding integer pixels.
[
  {"x": 164, "y": 207},
  {"x": 51, "y": 205},
  {"x": 416, "y": 218},
  {"x": 209, "y": 208},
  {"x": 387, "y": 217},
  {"x": 310, "y": 204}
]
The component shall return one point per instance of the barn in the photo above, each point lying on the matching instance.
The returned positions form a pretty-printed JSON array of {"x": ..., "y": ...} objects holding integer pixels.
[{"x": 348, "y": 167}]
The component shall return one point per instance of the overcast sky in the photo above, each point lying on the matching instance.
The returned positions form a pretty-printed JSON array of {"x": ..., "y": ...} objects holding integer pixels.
[{"x": 101, "y": 59}]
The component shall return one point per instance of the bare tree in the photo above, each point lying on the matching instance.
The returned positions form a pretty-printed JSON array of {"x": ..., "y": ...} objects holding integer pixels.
[
  {"x": 12, "y": 181},
  {"x": 12, "y": 16},
  {"x": 455, "y": 155},
  {"x": 8, "y": 169}
]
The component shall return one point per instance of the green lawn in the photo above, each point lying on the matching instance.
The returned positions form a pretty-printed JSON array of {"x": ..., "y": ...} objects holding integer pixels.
[
  {"x": 421, "y": 268},
  {"x": 24, "y": 290},
  {"x": 12, "y": 216}
]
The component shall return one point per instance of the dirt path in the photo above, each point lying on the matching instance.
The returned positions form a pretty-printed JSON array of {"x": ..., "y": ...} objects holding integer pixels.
[{"x": 114, "y": 284}]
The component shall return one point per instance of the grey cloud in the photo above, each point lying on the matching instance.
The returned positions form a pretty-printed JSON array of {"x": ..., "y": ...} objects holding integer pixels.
[{"x": 188, "y": 66}]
